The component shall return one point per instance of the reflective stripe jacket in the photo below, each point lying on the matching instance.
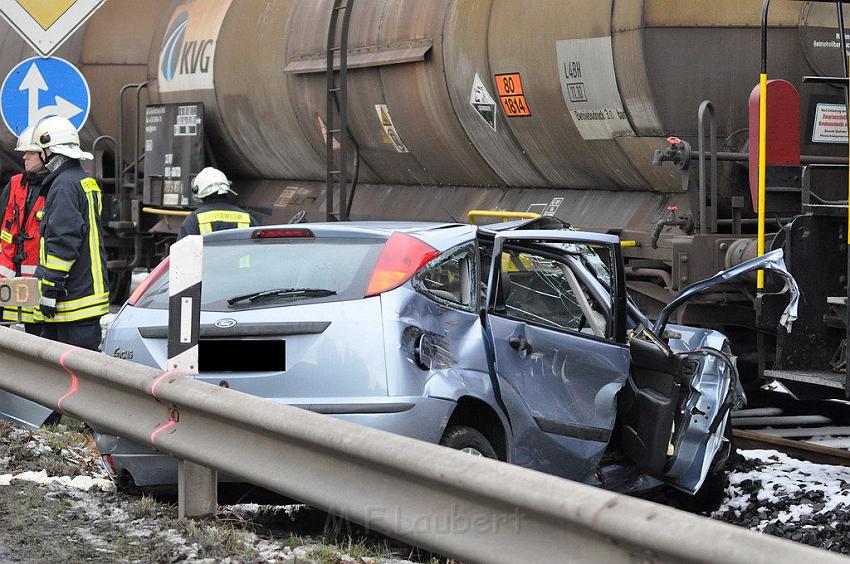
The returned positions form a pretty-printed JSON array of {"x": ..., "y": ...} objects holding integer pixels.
[
  {"x": 71, "y": 254},
  {"x": 19, "y": 235},
  {"x": 215, "y": 215},
  {"x": 19, "y": 230}
]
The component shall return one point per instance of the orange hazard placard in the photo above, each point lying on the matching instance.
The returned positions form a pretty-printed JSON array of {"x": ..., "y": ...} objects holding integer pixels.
[
  {"x": 515, "y": 106},
  {"x": 512, "y": 95},
  {"x": 509, "y": 84}
]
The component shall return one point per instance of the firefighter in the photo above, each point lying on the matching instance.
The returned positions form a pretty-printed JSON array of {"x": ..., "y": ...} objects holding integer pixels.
[
  {"x": 217, "y": 212},
  {"x": 72, "y": 262},
  {"x": 22, "y": 203}
]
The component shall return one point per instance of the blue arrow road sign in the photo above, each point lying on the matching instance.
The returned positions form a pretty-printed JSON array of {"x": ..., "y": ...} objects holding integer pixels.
[{"x": 41, "y": 87}]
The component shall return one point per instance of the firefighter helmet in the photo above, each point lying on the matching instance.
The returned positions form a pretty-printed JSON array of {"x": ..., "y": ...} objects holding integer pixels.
[
  {"x": 25, "y": 142},
  {"x": 60, "y": 136},
  {"x": 211, "y": 181}
]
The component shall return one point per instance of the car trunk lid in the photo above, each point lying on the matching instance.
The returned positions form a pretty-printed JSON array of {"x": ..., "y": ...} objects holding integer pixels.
[{"x": 298, "y": 351}]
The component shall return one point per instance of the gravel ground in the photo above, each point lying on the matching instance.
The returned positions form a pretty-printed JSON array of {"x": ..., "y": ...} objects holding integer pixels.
[{"x": 775, "y": 494}]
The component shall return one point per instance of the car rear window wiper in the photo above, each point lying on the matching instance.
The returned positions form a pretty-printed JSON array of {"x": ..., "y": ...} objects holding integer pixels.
[{"x": 299, "y": 292}]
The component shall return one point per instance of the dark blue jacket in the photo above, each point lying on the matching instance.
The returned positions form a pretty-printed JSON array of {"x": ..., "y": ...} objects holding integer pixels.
[
  {"x": 72, "y": 258},
  {"x": 215, "y": 214}
]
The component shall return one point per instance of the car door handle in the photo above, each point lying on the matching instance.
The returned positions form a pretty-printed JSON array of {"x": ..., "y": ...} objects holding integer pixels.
[{"x": 520, "y": 344}]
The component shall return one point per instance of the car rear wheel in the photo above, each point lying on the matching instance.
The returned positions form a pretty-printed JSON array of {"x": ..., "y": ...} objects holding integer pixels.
[{"x": 469, "y": 440}]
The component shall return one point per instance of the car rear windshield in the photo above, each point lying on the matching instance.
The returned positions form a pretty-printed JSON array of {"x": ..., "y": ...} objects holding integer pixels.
[{"x": 286, "y": 271}]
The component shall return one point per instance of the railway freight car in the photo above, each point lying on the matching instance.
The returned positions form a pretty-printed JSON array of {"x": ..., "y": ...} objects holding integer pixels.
[{"x": 558, "y": 107}]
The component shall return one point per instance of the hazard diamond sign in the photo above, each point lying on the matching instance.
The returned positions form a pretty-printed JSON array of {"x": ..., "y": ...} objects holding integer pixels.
[{"x": 46, "y": 24}]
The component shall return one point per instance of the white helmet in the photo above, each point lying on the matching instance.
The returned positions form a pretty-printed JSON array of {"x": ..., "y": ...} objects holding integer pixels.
[
  {"x": 25, "y": 142},
  {"x": 60, "y": 136},
  {"x": 209, "y": 182}
]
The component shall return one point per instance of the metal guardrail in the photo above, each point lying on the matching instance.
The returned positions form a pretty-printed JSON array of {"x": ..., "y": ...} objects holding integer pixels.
[{"x": 447, "y": 501}]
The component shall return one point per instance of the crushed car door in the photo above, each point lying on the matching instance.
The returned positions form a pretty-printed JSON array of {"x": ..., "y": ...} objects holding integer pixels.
[
  {"x": 674, "y": 411},
  {"x": 556, "y": 343},
  {"x": 675, "y": 407}
]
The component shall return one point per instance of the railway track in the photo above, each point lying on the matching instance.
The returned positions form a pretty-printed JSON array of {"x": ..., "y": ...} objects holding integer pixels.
[{"x": 798, "y": 432}]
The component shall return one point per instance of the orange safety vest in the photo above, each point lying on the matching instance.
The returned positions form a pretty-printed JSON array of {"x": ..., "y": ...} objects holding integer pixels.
[{"x": 19, "y": 235}]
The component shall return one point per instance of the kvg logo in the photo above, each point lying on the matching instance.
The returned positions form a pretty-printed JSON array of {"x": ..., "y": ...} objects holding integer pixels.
[{"x": 181, "y": 57}]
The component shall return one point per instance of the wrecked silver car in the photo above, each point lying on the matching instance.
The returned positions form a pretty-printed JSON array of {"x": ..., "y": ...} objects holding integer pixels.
[{"x": 514, "y": 341}]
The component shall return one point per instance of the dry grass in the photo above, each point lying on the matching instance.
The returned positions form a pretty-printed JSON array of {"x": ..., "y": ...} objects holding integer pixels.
[
  {"x": 324, "y": 555},
  {"x": 215, "y": 540}
]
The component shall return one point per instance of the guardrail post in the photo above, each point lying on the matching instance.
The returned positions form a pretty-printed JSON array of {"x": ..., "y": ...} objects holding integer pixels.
[
  {"x": 197, "y": 486},
  {"x": 197, "y": 490}
]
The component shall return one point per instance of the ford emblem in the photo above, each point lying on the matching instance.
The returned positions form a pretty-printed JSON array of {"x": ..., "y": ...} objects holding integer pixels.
[{"x": 225, "y": 323}]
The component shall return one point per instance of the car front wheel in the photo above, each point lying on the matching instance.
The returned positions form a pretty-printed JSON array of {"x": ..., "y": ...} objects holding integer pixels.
[{"x": 469, "y": 440}]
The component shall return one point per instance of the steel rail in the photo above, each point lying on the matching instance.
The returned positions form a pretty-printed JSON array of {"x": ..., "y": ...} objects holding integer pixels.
[
  {"x": 800, "y": 449},
  {"x": 447, "y": 501}
]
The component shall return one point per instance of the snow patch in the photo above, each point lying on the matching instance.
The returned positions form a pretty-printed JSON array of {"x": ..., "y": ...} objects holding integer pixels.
[
  {"x": 252, "y": 509},
  {"x": 782, "y": 475},
  {"x": 84, "y": 483},
  {"x": 773, "y": 493}
]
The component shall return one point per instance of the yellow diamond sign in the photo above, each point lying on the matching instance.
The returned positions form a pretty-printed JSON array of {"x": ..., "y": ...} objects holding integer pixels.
[
  {"x": 46, "y": 24},
  {"x": 46, "y": 12}
]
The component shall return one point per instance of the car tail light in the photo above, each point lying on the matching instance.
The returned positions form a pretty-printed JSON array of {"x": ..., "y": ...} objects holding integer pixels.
[
  {"x": 160, "y": 269},
  {"x": 402, "y": 256},
  {"x": 284, "y": 233},
  {"x": 109, "y": 464}
]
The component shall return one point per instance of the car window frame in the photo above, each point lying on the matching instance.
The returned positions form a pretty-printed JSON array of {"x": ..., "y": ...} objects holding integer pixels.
[
  {"x": 610, "y": 336},
  {"x": 471, "y": 251}
]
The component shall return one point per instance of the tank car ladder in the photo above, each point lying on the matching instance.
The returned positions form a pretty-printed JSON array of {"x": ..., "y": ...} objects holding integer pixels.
[
  {"x": 337, "y": 138},
  {"x": 125, "y": 183}
]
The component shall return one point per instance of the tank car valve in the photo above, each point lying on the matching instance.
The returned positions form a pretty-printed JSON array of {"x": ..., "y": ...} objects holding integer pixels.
[
  {"x": 682, "y": 221},
  {"x": 678, "y": 153}
]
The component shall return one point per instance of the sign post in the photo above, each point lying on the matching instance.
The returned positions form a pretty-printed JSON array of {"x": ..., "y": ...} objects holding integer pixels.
[{"x": 197, "y": 486}]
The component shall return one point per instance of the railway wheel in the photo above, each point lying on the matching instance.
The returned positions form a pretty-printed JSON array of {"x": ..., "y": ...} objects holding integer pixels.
[{"x": 469, "y": 440}]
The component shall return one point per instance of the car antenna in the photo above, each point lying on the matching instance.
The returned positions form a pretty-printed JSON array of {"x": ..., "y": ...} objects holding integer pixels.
[{"x": 438, "y": 201}]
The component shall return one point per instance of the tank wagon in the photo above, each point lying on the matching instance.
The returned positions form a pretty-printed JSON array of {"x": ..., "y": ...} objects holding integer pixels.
[{"x": 559, "y": 107}]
